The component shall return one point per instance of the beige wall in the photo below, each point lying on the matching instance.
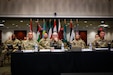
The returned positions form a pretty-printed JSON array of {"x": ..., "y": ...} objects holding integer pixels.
[
  {"x": 62, "y": 7},
  {"x": 90, "y": 33}
]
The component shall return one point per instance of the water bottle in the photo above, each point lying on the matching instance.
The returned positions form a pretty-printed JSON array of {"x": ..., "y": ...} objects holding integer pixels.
[
  {"x": 36, "y": 48},
  {"x": 62, "y": 48},
  {"x": 90, "y": 46}
]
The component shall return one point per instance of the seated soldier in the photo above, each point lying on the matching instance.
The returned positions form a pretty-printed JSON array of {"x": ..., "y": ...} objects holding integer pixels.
[
  {"x": 101, "y": 42},
  {"x": 11, "y": 44},
  {"x": 29, "y": 44},
  {"x": 55, "y": 42},
  {"x": 78, "y": 42},
  {"x": 44, "y": 43},
  {"x": 94, "y": 43}
]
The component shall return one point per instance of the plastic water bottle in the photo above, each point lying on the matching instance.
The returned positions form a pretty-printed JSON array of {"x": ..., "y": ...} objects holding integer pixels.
[
  {"x": 90, "y": 46},
  {"x": 36, "y": 48},
  {"x": 62, "y": 48}
]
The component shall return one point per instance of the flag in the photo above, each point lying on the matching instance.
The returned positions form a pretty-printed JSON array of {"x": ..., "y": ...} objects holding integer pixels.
[
  {"x": 39, "y": 29},
  {"x": 59, "y": 30},
  {"x": 50, "y": 30},
  {"x": 72, "y": 34},
  {"x": 55, "y": 26},
  {"x": 30, "y": 27},
  {"x": 44, "y": 28},
  {"x": 64, "y": 33}
]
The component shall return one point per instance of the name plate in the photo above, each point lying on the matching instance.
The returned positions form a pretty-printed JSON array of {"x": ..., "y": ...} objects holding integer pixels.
[
  {"x": 86, "y": 50},
  {"x": 57, "y": 50},
  {"x": 101, "y": 49},
  {"x": 25, "y": 51},
  {"x": 44, "y": 50}
]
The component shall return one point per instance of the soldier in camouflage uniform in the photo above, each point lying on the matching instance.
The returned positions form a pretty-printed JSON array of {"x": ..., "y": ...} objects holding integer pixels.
[
  {"x": 55, "y": 42},
  {"x": 101, "y": 42},
  {"x": 44, "y": 43},
  {"x": 78, "y": 42},
  {"x": 12, "y": 41},
  {"x": 94, "y": 43},
  {"x": 29, "y": 44}
]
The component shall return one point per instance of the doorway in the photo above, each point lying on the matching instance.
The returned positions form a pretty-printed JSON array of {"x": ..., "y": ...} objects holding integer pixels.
[{"x": 20, "y": 34}]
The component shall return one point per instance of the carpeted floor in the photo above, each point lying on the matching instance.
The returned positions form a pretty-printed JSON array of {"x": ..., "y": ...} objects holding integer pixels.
[{"x": 5, "y": 69}]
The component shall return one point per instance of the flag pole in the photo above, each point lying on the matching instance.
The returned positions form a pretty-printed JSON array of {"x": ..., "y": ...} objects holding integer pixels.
[
  {"x": 30, "y": 28},
  {"x": 71, "y": 29},
  {"x": 77, "y": 27}
]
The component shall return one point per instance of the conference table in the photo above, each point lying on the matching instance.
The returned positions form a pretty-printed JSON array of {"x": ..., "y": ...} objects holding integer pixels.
[{"x": 56, "y": 63}]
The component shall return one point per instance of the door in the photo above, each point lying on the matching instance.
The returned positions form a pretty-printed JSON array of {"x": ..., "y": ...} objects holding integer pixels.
[
  {"x": 83, "y": 35},
  {"x": 20, "y": 34}
]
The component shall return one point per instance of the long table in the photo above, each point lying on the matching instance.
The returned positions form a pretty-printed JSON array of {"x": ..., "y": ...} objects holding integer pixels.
[{"x": 55, "y": 63}]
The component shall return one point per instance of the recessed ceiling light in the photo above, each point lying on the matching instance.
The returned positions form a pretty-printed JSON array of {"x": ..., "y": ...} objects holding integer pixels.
[
  {"x": 102, "y": 21},
  {"x": 21, "y": 21},
  {"x": 16, "y": 25},
  {"x": 85, "y": 21},
  {"x": 13, "y": 24},
  {"x": 27, "y": 24},
  {"x": 3, "y": 20},
  {"x": 90, "y": 24}
]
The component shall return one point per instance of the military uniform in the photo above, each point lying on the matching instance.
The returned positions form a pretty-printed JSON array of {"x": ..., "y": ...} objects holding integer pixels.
[
  {"x": 29, "y": 44},
  {"x": 7, "y": 51},
  {"x": 100, "y": 43},
  {"x": 56, "y": 44},
  {"x": 44, "y": 43},
  {"x": 78, "y": 43},
  {"x": 14, "y": 44},
  {"x": 94, "y": 43}
]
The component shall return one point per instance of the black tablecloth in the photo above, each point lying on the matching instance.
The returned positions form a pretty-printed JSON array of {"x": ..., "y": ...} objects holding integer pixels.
[{"x": 55, "y": 63}]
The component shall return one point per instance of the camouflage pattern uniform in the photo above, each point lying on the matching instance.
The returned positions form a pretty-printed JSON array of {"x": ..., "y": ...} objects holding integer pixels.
[
  {"x": 56, "y": 45},
  {"x": 78, "y": 43},
  {"x": 100, "y": 43},
  {"x": 44, "y": 43},
  {"x": 14, "y": 43},
  {"x": 29, "y": 44}
]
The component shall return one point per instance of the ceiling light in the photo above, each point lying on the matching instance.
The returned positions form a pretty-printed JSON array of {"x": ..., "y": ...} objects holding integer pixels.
[
  {"x": 16, "y": 25},
  {"x": 102, "y": 22},
  {"x": 85, "y": 21},
  {"x": 21, "y": 21},
  {"x": 3, "y": 20},
  {"x": 90, "y": 24},
  {"x": 27, "y": 24},
  {"x": 13, "y": 24}
]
